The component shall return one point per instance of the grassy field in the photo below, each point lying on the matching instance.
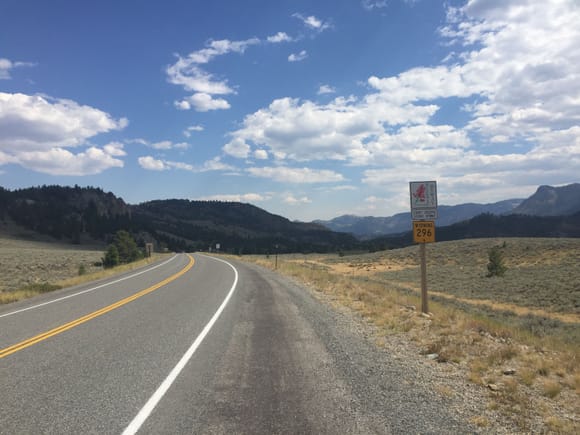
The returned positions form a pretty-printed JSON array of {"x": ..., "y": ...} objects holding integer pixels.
[
  {"x": 517, "y": 336},
  {"x": 37, "y": 265}
]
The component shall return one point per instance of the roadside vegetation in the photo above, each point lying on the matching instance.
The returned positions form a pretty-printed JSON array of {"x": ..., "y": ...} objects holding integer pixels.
[
  {"x": 32, "y": 267},
  {"x": 505, "y": 312}
]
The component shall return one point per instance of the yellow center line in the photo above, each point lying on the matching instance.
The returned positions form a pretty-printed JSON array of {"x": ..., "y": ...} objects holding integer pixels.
[{"x": 62, "y": 328}]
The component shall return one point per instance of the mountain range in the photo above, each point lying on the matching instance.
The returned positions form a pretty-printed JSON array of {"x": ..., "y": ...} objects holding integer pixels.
[
  {"x": 546, "y": 201},
  {"x": 87, "y": 215}
]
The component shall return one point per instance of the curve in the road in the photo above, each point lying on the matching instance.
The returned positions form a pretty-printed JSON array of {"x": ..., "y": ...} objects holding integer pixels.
[{"x": 144, "y": 413}]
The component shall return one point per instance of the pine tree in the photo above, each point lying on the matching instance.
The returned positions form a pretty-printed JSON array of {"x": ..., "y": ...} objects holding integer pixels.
[{"x": 496, "y": 266}]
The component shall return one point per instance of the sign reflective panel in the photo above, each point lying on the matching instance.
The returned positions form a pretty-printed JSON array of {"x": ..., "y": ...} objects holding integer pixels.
[
  {"x": 423, "y": 231},
  {"x": 423, "y": 196}
]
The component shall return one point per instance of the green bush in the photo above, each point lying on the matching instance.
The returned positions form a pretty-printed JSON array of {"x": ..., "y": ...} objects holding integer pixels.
[
  {"x": 126, "y": 247},
  {"x": 111, "y": 258},
  {"x": 496, "y": 266}
]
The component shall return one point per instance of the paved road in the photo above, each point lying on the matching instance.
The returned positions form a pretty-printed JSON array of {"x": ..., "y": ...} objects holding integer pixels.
[{"x": 272, "y": 360}]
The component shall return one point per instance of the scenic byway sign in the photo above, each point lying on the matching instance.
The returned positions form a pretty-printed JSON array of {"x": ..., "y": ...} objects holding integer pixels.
[{"x": 423, "y": 200}]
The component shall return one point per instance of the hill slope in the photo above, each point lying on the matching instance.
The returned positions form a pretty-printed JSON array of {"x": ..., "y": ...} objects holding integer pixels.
[
  {"x": 236, "y": 227},
  {"x": 552, "y": 201},
  {"x": 73, "y": 214}
]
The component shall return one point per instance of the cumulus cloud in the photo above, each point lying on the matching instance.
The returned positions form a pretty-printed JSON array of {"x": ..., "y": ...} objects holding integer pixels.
[
  {"x": 36, "y": 130},
  {"x": 6, "y": 65},
  {"x": 519, "y": 100},
  {"x": 297, "y": 57},
  {"x": 236, "y": 197},
  {"x": 341, "y": 130},
  {"x": 284, "y": 174},
  {"x": 313, "y": 23},
  {"x": 374, "y": 4},
  {"x": 292, "y": 200},
  {"x": 237, "y": 148},
  {"x": 188, "y": 73},
  {"x": 188, "y": 130},
  {"x": 202, "y": 102},
  {"x": 59, "y": 161},
  {"x": 261, "y": 154},
  {"x": 326, "y": 89},
  {"x": 279, "y": 37},
  {"x": 151, "y": 163}
]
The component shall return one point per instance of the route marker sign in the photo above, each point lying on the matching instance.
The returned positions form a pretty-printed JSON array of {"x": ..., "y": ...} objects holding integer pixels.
[
  {"x": 423, "y": 231},
  {"x": 423, "y": 195}
]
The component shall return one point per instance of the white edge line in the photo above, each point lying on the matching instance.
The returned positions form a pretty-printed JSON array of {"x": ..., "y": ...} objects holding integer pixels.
[
  {"x": 88, "y": 290},
  {"x": 146, "y": 411}
]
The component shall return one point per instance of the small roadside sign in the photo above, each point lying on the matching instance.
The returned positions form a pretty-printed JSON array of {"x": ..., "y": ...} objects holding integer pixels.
[
  {"x": 423, "y": 195},
  {"x": 423, "y": 231}
]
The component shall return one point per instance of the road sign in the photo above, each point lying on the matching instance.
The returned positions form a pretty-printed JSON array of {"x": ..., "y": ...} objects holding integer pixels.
[
  {"x": 423, "y": 231},
  {"x": 423, "y": 195}
]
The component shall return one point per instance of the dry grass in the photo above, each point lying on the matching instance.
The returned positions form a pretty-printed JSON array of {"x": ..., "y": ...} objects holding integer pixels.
[
  {"x": 30, "y": 267},
  {"x": 517, "y": 336}
]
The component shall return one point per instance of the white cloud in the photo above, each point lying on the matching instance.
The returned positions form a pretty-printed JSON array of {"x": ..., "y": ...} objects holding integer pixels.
[
  {"x": 35, "y": 123},
  {"x": 297, "y": 57},
  {"x": 326, "y": 89},
  {"x": 286, "y": 174},
  {"x": 36, "y": 130},
  {"x": 59, "y": 161},
  {"x": 6, "y": 65},
  {"x": 202, "y": 102},
  {"x": 168, "y": 145},
  {"x": 292, "y": 200},
  {"x": 374, "y": 4},
  {"x": 152, "y": 164},
  {"x": 161, "y": 145},
  {"x": 205, "y": 102},
  {"x": 340, "y": 130},
  {"x": 216, "y": 48},
  {"x": 520, "y": 99},
  {"x": 237, "y": 148},
  {"x": 215, "y": 164},
  {"x": 313, "y": 23},
  {"x": 188, "y": 130},
  {"x": 261, "y": 154},
  {"x": 193, "y": 78},
  {"x": 188, "y": 73},
  {"x": 279, "y": 37},
  {"x": 241, "y": 197}
]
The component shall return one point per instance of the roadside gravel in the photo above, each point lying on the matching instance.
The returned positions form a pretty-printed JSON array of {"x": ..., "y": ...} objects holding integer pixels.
[{"x": 401, "y": 389}]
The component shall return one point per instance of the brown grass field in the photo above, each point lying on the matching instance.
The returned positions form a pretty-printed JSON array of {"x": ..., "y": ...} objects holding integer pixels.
[
  {"x": 32, "y": 264},
  {"x": 517, "y": 336}
]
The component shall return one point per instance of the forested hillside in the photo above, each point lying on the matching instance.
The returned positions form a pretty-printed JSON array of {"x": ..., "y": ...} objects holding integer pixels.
[{"x": 75, "y": 214}]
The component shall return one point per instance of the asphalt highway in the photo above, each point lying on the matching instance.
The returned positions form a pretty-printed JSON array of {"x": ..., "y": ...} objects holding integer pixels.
[{"x": 196, "y": 344}]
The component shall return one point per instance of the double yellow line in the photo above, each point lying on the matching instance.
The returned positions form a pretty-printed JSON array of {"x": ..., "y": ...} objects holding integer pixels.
[{"x": 45, "y": 335}]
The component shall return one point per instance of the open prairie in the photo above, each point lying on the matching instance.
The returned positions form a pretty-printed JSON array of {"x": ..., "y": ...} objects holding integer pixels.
[
  {"x": 539, "y": 291},
  {"x": 25, "y": 262}
]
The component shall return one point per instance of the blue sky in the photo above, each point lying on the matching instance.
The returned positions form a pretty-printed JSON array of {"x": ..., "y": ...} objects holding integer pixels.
[{"x": 307, "y": 109}]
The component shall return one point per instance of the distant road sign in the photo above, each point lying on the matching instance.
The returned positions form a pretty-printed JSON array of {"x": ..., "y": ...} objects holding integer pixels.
[
  {"x": 423, "y": 195},
  {"x": 423, "y": 231}
]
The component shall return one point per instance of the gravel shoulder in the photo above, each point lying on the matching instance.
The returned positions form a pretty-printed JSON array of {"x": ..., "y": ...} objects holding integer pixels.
[{"x": 390, "y": 388}]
